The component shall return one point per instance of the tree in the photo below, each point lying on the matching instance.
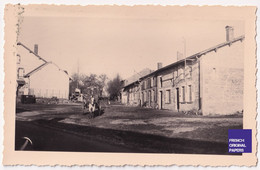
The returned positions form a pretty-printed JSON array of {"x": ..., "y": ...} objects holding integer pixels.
[
  {"x": 88, "y": 84},
  {"x": 114, "y": 87}
]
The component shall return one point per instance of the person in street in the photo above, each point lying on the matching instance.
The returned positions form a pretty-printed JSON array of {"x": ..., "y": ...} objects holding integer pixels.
[
  {"x": 84, "y": 102},
  {"x": 91, "y": 106}
]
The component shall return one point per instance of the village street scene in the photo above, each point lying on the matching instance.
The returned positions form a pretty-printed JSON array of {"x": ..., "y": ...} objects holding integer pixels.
[{"x": 149, "y": 84}]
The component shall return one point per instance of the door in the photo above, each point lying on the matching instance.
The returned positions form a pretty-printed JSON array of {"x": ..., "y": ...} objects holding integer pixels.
[
  {"x": 149, "y": 98},
  {"x": 142, "y": 101},
  {"x": 178, "y": 99},
  {"x": 161, "y": 100}
]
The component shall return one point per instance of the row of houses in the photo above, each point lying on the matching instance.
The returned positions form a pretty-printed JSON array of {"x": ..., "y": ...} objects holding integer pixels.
[{"x": 210, "y": 81}]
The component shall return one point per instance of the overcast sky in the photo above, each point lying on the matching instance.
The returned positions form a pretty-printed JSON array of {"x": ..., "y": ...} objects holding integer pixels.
[{"x": 122, "y": 40}]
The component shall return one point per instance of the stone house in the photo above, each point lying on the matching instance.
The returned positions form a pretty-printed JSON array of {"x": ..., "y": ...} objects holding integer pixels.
[
  {"x": 210, "y": 81},
  {"x": 148, "y": 85},
  {"x": 130, "y": 93}
]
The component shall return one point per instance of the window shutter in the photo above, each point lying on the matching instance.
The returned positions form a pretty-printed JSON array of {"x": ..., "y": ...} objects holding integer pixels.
[
  {"x": 151, "y": 97},
  {"x": 155, "y": 96}
]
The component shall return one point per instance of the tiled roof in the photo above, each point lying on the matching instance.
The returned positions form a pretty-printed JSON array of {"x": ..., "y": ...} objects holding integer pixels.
[
  {"x": 137, "y": 76},
  {"x": 43, "y": 65},
  {"x": 36, "y": 69},
  {"x": 197, "y": 55}
]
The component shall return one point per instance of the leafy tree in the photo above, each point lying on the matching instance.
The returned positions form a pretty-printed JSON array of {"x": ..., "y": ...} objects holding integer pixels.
[
  {"x": 114, "y": 87},
  {"x": 88, "y": 84}
]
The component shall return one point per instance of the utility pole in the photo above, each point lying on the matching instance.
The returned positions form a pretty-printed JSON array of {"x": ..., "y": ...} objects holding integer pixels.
[
  {"x": 78, "y": 73},
  {"x": 139, "y": 88},
  {"x": 185, "y": 64}
]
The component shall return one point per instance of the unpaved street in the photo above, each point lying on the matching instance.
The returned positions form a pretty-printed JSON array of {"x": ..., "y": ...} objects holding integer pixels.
[{"x": 125, "y": 129}]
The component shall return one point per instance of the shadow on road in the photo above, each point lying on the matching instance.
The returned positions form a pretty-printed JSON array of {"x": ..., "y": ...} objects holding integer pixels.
[{"x": 50, "y": 135}]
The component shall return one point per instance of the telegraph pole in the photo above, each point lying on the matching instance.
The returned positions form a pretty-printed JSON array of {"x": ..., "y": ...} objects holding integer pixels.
[
  {"x": 78, "y": 73},
  {"x": 185, "y": 64}
]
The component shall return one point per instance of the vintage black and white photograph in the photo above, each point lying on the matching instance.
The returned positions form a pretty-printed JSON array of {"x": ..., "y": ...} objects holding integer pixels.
[{"x": 129, "y": 79}]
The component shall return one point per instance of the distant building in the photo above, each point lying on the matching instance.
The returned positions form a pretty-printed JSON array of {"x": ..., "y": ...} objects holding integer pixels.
[
  {"x": 36, "y": 76},
  {"x": 47, "y": 81},
  {"x": 210, "y": 81},
  {"x": 148, "y": 91},
  {"x": 131, "y": 92}
]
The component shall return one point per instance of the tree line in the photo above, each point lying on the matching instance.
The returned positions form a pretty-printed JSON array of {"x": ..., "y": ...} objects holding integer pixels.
[{"x": 98, "y": 85}]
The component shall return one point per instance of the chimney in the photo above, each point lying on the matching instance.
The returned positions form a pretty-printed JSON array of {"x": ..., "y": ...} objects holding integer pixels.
[
  {"x": 229, "y": 33},
  {"x": 36, "y": 49},
  {"x": 159, "y": 65}
]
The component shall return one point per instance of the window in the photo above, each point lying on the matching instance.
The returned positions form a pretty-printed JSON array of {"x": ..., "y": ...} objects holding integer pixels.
[
  {"x": 151, "y": 79},
  {"x": 180, "y": 73},
  {"x": 161, "y": 82},
  {"x": 155, "y": 81},
  {"x": 190, "y": 93},
  {"x": 183, "y": 93},
  {"x": 18, "y": 59},
  {"x": 149, "y": 83},
  {"x": 20, "y": 72},
  {"x": 143, "y": 84},
  {"x": 188, "y": 72},
  {"x": 168, "y": 96}
]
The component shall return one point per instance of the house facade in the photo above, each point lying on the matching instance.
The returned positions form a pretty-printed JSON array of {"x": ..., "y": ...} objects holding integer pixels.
[
  {"x": 148, "y": 86},
  {"x": 47, "y": 81},
  {"x": 210, "y": 81},
  {"x": 149, "y": 91},
  {"x": 177, "y": 86},
  {"x": 131, "y": 92},
  {"x": 36, "y": 76}
]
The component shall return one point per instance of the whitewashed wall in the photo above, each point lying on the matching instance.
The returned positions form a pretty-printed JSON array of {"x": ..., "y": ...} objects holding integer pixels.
[{"x": 49, "y": 82}]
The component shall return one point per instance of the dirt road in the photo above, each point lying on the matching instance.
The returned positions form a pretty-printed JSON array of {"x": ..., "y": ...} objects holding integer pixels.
[{"x": 137, "y": 129}]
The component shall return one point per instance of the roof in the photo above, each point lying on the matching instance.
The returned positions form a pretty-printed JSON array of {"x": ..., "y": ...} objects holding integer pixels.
[
  {"x": 36, "y": 69},
  {"x": 39, "y": 57},
  {"x": 42, "y": 66},
  {"x": 197, "y": 55},
  {"x": 137, "y": 76}
]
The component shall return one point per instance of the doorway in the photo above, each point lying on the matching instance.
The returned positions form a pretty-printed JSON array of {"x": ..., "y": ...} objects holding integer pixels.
[
  {"x": 142, "y": 101},
  {"x": 178, "y": 99},
  {"x": 149, "y": 98},
  {"x": 161, "y": 100}
]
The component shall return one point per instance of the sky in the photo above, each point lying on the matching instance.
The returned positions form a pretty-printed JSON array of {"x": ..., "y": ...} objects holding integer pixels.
[{"x": 122, "y": 40}]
